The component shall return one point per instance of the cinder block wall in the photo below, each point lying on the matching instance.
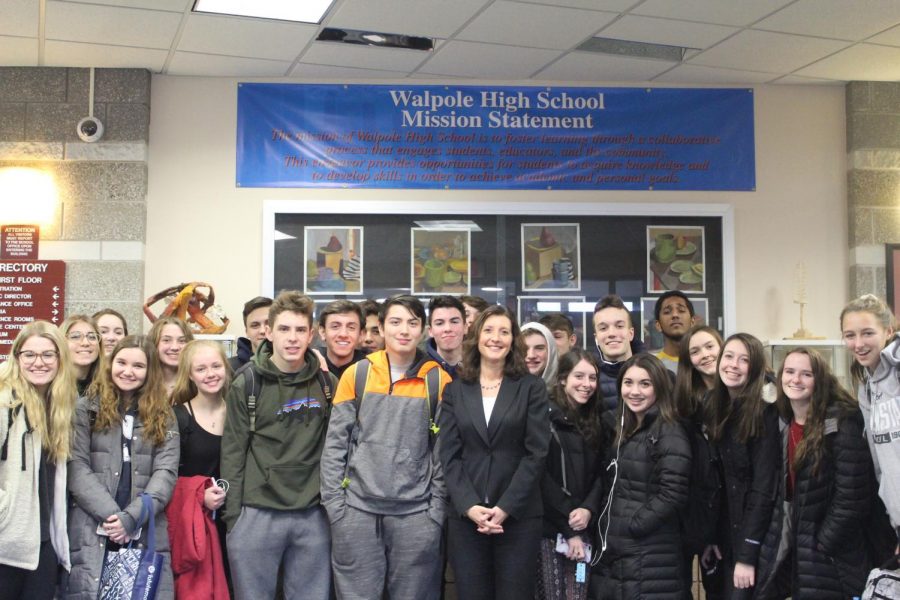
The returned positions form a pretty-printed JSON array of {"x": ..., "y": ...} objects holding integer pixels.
[
  {"x": 873, "y": 181},
  {"x": 100, "y": 226}
]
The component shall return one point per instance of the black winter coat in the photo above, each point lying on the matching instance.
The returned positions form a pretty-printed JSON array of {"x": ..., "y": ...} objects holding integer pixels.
[
  {"x": 609, "y": 373},
  {"x": 582, "y": 485},
  {"x": 643, "y": 558},
  {"x": 825, "y": 552},
  {"x": 749, "y": 473}
]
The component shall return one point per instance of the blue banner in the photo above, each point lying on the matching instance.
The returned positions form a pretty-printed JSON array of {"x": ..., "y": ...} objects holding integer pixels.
[{"x": 494, "y": 137}]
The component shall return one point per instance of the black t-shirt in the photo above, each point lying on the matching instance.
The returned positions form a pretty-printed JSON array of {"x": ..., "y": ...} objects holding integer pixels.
[{"x": 200, "y": 449}]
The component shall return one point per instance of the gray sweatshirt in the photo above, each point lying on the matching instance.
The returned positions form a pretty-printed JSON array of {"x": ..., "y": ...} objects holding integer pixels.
[{"x": 879, "y": 400}]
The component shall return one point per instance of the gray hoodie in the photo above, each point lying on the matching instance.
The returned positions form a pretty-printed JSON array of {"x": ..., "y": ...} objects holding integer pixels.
[
  {"x": 879, "y": 399},
  {"x": 549, "y": 374}
]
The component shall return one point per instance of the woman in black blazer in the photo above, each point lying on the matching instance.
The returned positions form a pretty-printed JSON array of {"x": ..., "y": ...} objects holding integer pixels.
[{"x": 493, "y": 440}]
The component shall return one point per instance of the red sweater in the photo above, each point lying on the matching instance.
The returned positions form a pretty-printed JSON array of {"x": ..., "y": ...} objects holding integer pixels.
[{"x": 196, "y": 554}]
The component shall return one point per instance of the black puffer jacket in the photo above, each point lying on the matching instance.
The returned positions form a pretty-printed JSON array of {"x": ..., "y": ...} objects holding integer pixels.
[
  {"x": 643, "y": 556},
  {"x": 609, "y": 373},
  {"x": 749, "y": 473},
  {"x": 572, "y": 477},
  {"x": 825, "y": 552}
]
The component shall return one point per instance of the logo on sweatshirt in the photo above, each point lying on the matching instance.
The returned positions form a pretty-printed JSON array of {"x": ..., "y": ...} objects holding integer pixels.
[{"x": 299, "y": 408}]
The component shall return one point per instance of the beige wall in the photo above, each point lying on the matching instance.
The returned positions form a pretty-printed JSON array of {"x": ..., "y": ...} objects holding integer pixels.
[{"x": 201, "y": 227}]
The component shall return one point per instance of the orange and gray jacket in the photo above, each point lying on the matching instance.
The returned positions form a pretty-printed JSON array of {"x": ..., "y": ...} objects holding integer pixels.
[{"x": 378, "y": 454}]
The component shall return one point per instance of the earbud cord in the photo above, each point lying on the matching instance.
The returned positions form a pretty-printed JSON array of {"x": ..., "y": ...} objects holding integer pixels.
[{"x": 604, "y": 534}]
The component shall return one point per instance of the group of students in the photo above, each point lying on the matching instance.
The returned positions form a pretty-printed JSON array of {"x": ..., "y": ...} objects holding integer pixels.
[{"x": 518, "y": 472}]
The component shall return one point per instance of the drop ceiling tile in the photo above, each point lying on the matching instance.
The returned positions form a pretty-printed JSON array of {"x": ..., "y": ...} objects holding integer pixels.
[
  {"x": 534, "y": 25},
  {"x": 842, "y": 19},
  {"x": 19, "y": 18},
  {"x": 891, "y": 37},
  {"x": 667, "y": 31},
  {"x": 212, "y": 65},
  {"x": 18, "y": 51},
  {"x": 364, "y": 57},
  {"x": 863, "y": 62},
  {"x": 430, "y": 18},
  {"x": 170, "y": 5},
  {"x": 249, "y": 38},
  {"x": 489, "y": 61},
  {"x": 724, "y": 12},
  {"x": 698, "y": 74},
  {"x": 764, "y": 51},
  {"x": 75, "y": 54},
  {"x": 609, "y": 5},
  {"x": 590, "y": 66},
  {"x": 91, "y": 23},
  {"x": 324, "y": 72},
  {"x": 798, "y": 80}
]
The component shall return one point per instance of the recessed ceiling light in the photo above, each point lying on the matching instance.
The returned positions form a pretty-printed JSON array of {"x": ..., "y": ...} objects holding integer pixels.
[
  {"x": 374, "y": 38},
  {"x": 307, "y": 11},
  {"x": 450, "y": 224}
]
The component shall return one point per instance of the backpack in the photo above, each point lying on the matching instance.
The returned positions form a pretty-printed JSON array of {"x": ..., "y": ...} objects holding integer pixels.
[
  {"x": 253, "y": 387},
  {"x": 432, "y": 390},
  {"x": 884, "y": 582}
]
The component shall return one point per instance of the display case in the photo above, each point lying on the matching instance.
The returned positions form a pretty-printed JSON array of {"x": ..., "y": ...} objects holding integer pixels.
[{"x": 833, "y": 351}]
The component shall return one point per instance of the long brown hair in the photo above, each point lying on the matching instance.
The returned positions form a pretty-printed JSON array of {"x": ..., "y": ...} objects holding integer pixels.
[
  {"x": 514, "y": 366},
  {"x": 627, "y": 421},
  {"x": 827, "y": 393},
  {"x": 749, "y": 399},
  {"x": 153, "y": 405},
  {"x": 689, "y": 384},
  {"x": 53, "y": 420},
  {"x": 185, "y": 388},
  {"x": 586, "y": 417}
]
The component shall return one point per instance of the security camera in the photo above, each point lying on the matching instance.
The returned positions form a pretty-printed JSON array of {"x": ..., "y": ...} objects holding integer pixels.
[{"x": 89, "y": 129}]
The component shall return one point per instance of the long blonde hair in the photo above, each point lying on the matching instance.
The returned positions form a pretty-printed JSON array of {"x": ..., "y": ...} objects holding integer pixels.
[
  {"x": 152, "y": 402},
  {"x": 185, "y": 388},
  {"x": 56, "y": 436}
]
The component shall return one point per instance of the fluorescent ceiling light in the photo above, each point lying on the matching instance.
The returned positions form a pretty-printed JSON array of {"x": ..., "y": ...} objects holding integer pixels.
[
  {"x": 450, "y": 224},
  {"x": 306, "y": 11},
  {"x": 615, "y": 47}
]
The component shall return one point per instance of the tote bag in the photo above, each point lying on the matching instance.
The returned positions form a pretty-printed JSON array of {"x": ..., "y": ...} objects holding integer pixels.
[{"x": 133, "y": 573}]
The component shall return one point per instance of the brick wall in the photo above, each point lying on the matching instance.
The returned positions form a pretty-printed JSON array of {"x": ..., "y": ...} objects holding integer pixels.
[
  {"x": 100, "y": 225},
  {"x": 873, "y": 181}
]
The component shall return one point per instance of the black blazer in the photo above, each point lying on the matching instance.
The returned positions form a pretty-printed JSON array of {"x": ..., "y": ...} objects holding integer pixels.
[{"x": 498, "y": 463}]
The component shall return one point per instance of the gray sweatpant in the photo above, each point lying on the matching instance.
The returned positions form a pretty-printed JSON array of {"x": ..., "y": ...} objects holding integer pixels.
[
  {"x": 397, "y": 553},
  {"x": 262, "y": 538}
]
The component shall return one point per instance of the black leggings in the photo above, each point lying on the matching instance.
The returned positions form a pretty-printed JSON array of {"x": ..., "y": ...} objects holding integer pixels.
[{"x": 40, "y": 584}]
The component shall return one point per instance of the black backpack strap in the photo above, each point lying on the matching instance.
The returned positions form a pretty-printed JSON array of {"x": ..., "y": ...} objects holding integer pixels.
[
  {"x": 252, "y": 387},
  {"x": 432, "y": 398},
  {"x": 325, "y": 384}
]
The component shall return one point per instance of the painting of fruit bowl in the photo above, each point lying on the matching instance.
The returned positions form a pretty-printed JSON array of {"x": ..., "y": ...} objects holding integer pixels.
[
  {"x": 440, "y": 261},
  {"x": 333, "y": 260},
  {"x": 675, "y": 259},
  {"x": 551, "y": 256}
]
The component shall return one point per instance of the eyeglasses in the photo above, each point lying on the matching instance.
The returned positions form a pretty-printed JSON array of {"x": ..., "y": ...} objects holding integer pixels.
[
  {"x": 77, "y": 336},
  {"x": 48, "y": 358}
]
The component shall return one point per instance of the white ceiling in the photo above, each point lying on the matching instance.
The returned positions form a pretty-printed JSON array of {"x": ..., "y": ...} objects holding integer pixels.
[{"x": 738, "y": 41}]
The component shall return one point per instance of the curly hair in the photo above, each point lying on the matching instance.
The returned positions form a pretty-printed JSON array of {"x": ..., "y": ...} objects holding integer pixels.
[
  {"x": 152, "y": 402},
  {"x": 514, "y": 366}
]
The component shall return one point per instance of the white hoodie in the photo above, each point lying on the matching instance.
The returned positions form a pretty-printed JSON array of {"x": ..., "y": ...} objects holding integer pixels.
[
  {"x": 549, "y": 374},
  {"x": 879, "y": 400}
]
